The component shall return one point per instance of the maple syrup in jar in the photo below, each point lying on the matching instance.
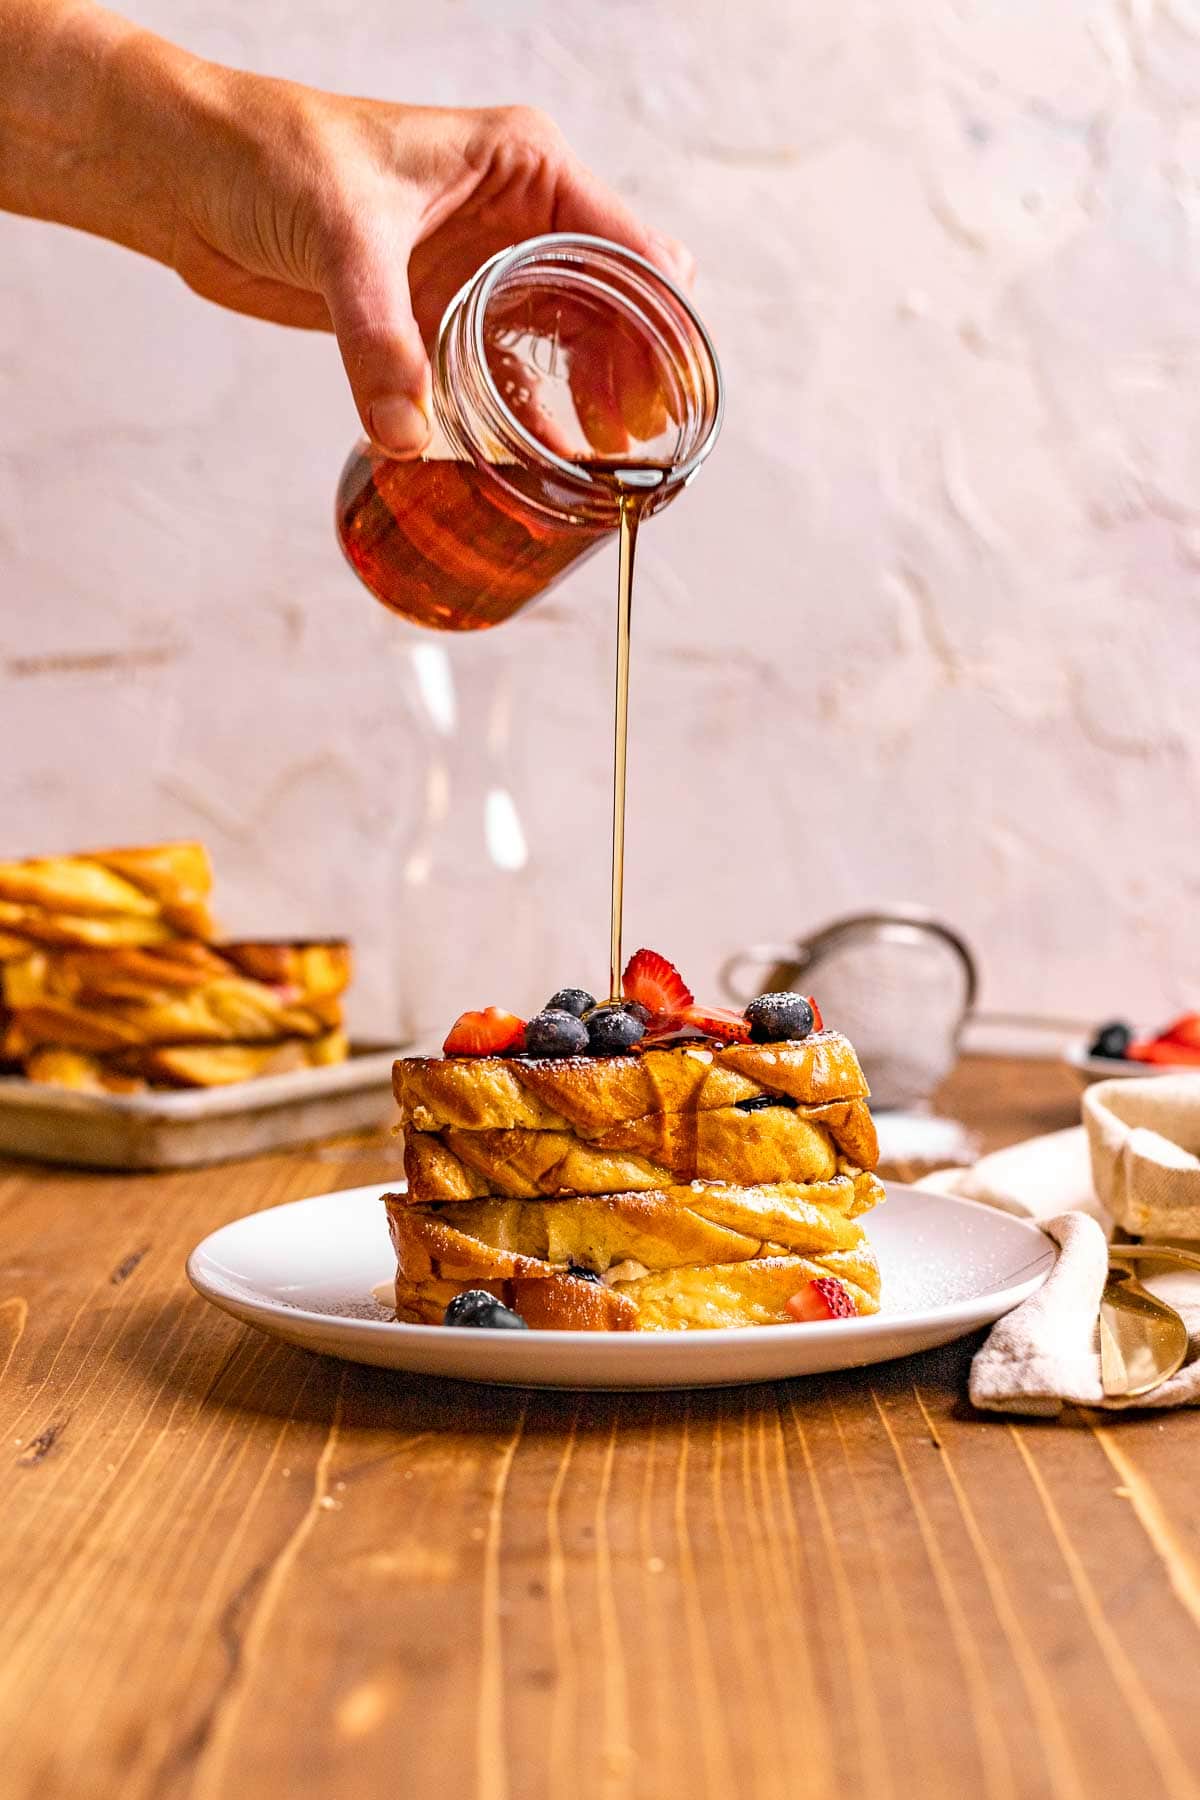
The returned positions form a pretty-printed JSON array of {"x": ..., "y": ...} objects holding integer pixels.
[{"x": 567, "y": 373}]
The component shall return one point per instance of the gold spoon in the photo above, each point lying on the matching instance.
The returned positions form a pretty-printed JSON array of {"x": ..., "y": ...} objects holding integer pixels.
[{"x": 1143, "y": 1341}]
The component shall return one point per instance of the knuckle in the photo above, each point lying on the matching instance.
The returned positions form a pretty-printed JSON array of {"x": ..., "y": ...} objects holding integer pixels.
[{"x": 530, "y": 125}]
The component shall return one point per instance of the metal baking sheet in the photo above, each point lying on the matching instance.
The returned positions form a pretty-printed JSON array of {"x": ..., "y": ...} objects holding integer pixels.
[{"x": 186, "y": 1128}]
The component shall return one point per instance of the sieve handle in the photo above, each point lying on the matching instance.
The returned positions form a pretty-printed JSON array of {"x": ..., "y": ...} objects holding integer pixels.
[
  {"x": 760, "y": 957},
  {"x": 899, "y": 921}
]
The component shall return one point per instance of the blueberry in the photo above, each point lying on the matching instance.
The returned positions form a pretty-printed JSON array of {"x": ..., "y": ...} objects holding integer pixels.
[
  {"x": 612, "y": 1029},
  {"x": 1111, "y": 1040},
  {"x": 582, "y": 1274},
  {"x": 555, "y": 1033},
  {"x": 575, "y": 1001},
  {"x": 638, "y": 1010},
  {"x": 760, "y": 1101},
  {"x": 483, "y": 1311},
  {"x": 776, "y": 1017}
]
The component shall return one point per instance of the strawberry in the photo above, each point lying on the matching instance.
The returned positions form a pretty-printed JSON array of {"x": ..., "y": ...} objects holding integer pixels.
[
  {"x": 657, "y": 984},
  {"x": 709, "y": 1021},
  {"x": 825, "y": 1298},
  {"x": 818, "y": 1021},
  {"x": 1161, "y": 1050},
  {"x": 488, "y": 1033},
  {"x": 1183, "y": 1031}
]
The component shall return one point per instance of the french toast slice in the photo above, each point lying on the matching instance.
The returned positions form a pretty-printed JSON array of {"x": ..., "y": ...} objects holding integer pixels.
[
  {"x": 302, "y": 970},
  {"x": 699, "y": 1257},
  {"x": 181, "y": 1065},
  {"x": 700, "y": 1297},
  {"x": 318, "y": 967},
  {"x": 227, "y": 1012},
  {"x": 662, "y": 1228},
  {"x": 588, "y": 1094},
  {"x": 109, "y": 980},
  {"x": 90, "y": 1005},
  {"x": 167, "y": 884},
  {"x": 23, "y": 928},
  {"x": 772, "y": 1144}
]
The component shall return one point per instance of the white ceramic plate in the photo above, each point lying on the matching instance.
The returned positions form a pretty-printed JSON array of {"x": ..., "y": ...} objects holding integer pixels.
[{"x": 305, "y": 1273}]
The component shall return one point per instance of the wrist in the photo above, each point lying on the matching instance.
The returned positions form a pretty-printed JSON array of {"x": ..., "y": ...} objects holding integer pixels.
[
  {"x": 140, "y": 146},
  {"x": 91, "y": 111}
]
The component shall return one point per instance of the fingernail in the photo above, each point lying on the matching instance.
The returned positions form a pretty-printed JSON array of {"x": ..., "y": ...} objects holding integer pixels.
[{"x": 399, "y": 424}]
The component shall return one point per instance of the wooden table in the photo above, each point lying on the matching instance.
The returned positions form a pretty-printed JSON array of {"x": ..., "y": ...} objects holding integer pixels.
[{"x": 230, "y": 1568}]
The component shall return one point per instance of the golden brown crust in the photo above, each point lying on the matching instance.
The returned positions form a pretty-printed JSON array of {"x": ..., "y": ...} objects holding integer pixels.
[
  {"x": 31, "y": 926},
  {"x": 229, "y": 1010},
  {"x": 14, "y": 948},
  {"x": 177, "y": 873},
  {"x": 677, "y": 1139},
  {"x": 703, "y": 1297},
  {"x": 117, "y": 971},
  {"x": 769, "y": 1145},
  {"x": 108, "y": 982},
  {"x": 317, "y": 967},
  {"x": 590, "y": 1094},
  {"x": 559, "y": 1303},
  {"x": 689, "y": 1258},
  {"x": 697, "y": 1223},
  {"x": 167, "y": 884},
  {"x": 181, "y": 1065},
  {"x": 287, "y": 972},
  {"x": 78, "y": 1069},
  {"x": 649, "y": 1170}
]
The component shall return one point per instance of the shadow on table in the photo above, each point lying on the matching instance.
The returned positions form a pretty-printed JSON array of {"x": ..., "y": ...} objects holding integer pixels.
[{"x": 241, "y": 1370}]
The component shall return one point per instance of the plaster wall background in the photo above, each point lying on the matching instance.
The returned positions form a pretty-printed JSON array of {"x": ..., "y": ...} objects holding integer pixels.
[{"x": 927, "y": 628}]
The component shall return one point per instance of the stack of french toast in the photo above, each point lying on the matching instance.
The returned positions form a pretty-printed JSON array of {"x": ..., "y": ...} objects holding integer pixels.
[
  {"x": 110, "y": 980},
  {"x": 651, "y": 1165}
]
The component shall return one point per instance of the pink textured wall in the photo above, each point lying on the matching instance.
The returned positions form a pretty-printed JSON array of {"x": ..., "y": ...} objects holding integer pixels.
[{"x": 927, "y": 628}]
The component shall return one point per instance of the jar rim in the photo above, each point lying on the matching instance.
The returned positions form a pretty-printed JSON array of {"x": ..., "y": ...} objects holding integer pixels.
[{"x": 557, "y": 246}]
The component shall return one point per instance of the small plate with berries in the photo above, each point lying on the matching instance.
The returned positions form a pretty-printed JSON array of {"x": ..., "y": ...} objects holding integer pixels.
[{"x": 1116, "y": 1051}]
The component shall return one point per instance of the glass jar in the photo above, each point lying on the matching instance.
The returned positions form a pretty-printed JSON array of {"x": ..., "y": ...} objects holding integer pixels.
[
  {"x": 468, "y": 894},
  {"x": 564, "y": 363}
]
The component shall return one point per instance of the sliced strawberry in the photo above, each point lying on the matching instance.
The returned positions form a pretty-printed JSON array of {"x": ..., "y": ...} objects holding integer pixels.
[
  {"x": 1163, "y": 1052},
  {"x": 707, "y": 1021},
  {"x": 818, "y": 1021},
  {"x": 656, "y": 983},
  {"x": 488, "y": 1033},
  {"x": 825, "y": 1298},
  {"x": 1183, "y": 1031},
  {"x": 667, "y": 1032}
]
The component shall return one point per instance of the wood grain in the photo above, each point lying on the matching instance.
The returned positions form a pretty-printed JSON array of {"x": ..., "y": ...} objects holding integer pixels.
[{"x": 232, "y": 1568}]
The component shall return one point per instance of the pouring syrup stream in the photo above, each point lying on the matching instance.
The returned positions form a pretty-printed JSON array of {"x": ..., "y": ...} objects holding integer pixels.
[
  {"x": 634, "y": 484},
  {"x": 629, "y": 525}
]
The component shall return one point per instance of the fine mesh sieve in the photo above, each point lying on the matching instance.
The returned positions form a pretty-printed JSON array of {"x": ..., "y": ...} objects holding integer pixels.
[{"x": 899, "y": 984}]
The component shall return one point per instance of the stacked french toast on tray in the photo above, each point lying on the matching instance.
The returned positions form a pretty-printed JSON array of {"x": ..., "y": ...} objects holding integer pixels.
[
  {"x": 645, "y": 1164},
  {"x": 109, "y": 980}
]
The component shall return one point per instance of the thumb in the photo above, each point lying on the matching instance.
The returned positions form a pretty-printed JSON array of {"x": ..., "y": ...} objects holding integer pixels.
[{"x": 369, "y": 303}]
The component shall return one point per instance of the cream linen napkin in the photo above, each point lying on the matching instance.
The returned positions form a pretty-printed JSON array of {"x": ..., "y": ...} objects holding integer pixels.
[
  {"x": 1144, "y": 1136},
  {"x": 1047, "y": 1352}
]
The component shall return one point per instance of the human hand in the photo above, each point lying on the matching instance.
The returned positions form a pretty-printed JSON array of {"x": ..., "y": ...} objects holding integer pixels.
[
  {"x": 367, "y": 217},
  {"x": 304, "y": 207}
]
